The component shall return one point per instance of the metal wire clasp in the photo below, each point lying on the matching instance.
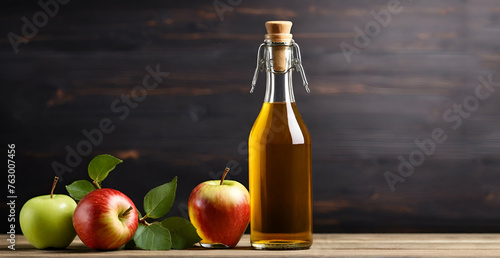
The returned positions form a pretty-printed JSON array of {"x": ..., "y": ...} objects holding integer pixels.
[
  {"x": 296, "y": 65},
  {"x": 260, "y": 66}
]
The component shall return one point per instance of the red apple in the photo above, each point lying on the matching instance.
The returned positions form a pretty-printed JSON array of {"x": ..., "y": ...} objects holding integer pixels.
[
  {"x": 105, "y": 219},
  {"x": 220, "y": 212}
]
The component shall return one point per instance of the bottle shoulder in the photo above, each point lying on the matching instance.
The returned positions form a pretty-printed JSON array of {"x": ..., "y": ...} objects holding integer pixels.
[{"x": 279, "y": 123}]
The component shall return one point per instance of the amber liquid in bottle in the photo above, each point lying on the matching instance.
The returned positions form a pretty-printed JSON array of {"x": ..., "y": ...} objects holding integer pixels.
[
  {"x": 280, "y": 169},
  {"x": 280, "y": 179}
]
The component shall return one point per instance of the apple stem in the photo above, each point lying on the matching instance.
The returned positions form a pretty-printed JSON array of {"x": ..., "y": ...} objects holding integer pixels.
[
  {"x": 224, "y": 175},
  {"x": 96, "y": 185},
  {"x": 126, "y": 212},
  {"x": 53, "y": 186}
]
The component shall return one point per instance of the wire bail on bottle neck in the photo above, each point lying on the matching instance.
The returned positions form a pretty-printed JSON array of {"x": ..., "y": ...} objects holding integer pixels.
[{"x": 296, "y": 63}]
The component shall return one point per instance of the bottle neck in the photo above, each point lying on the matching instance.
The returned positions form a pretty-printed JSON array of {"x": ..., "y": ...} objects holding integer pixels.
[
  {"x": 278, "y": 60},
  {"x": 279, "y": 86}
]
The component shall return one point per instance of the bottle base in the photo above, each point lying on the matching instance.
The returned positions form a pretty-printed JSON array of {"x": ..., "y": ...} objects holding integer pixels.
[{"x": 281, "y": 245}]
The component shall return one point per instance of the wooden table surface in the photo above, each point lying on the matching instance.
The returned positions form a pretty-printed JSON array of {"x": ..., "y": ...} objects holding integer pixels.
[{"x": 376, "y": 245}]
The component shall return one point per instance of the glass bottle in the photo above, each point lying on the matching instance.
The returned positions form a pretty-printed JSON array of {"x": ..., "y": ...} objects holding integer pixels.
[{"x": 280, "y": 150}]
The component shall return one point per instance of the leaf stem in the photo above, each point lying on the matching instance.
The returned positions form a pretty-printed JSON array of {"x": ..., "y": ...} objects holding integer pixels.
[
  {"x": 96, "y": 185},
  {"x": 53, "y": 186},
  {"x": 143, "y": 220},
  {"x": 224, "y": 175}
]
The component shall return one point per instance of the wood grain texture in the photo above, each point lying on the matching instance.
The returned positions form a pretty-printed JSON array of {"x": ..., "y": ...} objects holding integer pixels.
[
  {"x": 361, "y": 115},
  {"x": 325, "y": 245}
]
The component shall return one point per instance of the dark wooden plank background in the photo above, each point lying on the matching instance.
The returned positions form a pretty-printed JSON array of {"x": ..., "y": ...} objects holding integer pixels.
[{"x": 361, "y": 115}]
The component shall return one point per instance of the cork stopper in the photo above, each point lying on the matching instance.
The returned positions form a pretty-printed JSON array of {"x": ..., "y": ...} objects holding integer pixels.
[{"x": 279, "y": 31}]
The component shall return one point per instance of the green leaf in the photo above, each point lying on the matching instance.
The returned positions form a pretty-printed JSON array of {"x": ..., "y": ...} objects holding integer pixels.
[
  {"x": 152, "y": 237},
  {"x": 101, "y": 165},
  {"x": 79, "y": 188},
  {"x": 182, "y": 232},
  {"x": 160, "y": 199}
]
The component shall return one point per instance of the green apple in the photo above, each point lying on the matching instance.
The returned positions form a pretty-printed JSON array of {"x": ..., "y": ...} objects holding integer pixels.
[{"x": 46, "y": 221}]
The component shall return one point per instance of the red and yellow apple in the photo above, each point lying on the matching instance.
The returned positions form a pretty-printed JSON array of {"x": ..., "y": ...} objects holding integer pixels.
[
  {"x": 105, "y": 219},
  {"x": 220, "y": 212}
]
